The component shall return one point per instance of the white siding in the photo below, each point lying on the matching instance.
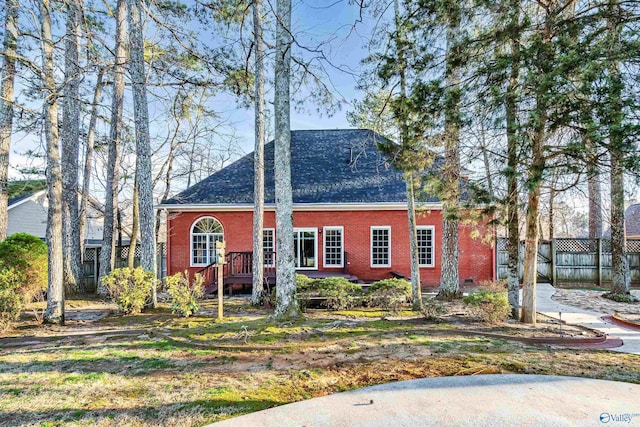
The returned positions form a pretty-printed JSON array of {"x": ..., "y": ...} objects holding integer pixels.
[{"x": 31, "y": 217}]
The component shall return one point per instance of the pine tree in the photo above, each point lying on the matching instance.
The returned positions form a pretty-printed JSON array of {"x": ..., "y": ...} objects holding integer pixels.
[
  {"x": 6, "y": 105},
  {"x": 286, "y": 300},
  {"x": 54, "y": 312},
  {"x": 115, "y": 138},
  {"x": 143, "y": 140},
  {"x": 71, "y": 147},
  {"x": 258, "y": 160},
  {"x": 450, "y": 196}
]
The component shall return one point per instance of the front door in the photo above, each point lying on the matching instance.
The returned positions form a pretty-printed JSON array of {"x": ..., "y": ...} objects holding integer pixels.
[{"x": 305, "y": 242}]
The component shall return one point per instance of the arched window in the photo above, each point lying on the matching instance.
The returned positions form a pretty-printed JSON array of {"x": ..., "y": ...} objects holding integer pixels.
[{"x": 204, "y": 234}]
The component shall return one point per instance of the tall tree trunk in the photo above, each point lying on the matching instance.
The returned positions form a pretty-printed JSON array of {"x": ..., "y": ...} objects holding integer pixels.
[
  {"x": 552, "y": 228},
  {"x": 10, "y": 45},
  {"x": 595, "y": 202},
  {"x": 71, "y": 147},
  {"x": 449, "y": 278},
  {"x": 135, "y": 225},
  {"x": 416, "y": 285},
  {"x": 540, "y": 115},
  {"x": 258, "y": 161},
  {"x": 115, "y": 137},
  {"x": 511, "y": 111},
  {"x": 620, "y": 275},
  {"x": 143, "y": 142},
  {"x": 88, "y": 158},
  {"x": 54, "y": 312},
  {"x": 286, "y": 300},
  {"x": 416, "y": 290},
  {"x": 533, "y": 211}
]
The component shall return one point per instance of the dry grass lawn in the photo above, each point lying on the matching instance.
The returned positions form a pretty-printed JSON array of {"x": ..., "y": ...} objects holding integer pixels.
[{"x": 156, "y": 369}]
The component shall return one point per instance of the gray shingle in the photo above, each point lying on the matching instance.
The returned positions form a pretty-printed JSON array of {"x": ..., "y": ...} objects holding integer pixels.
[
  {"x": 632, "y": 220},
  {"x": 328, "y": 166}
]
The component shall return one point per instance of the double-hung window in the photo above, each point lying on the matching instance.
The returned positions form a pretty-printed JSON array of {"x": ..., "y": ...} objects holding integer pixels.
[
  {"x": 425, "y": 236},
  {"x": 381, "y": 246},
  {"x": 333, "y": 247},
  {"x": 269, "y": 246}
]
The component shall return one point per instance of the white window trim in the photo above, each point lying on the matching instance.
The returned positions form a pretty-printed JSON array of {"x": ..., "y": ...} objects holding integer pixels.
[
  {"x": 324, "y": 246},
  {"x": 378, "y": 227},
  {"x": 274, "y": 245},
  {"x": 197, "y": 220},
  {"x": 315, "y": 231},
  {"x": 433, "y": 244}
]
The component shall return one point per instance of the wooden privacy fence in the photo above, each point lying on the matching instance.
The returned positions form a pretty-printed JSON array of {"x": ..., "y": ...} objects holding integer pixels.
[
  {"x": 91, "y": 264},
  {"x": 573, "y": 260}
]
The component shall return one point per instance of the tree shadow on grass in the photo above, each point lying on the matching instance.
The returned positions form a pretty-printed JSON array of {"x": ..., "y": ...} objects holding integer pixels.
[{"x": 210, "y": 410}]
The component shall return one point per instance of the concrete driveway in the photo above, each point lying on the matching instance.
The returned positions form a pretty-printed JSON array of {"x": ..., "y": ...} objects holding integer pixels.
[
  {"x": 483, "y": 400},
  {"x": 591, "y": 319}
]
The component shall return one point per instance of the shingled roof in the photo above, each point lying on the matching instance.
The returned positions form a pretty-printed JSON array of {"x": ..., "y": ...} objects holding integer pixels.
[
  {"x": 632, "y": 220},
  {"x": 328, "y": 166}
]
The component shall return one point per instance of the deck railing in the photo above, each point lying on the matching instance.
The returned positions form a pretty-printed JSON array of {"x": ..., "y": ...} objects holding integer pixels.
[{"x": 238, "y": 264}]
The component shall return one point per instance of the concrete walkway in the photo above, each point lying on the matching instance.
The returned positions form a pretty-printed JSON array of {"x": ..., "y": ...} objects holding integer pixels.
[
  {"x": 483, "y": 400},
  {"x": 590, "y": 319}
]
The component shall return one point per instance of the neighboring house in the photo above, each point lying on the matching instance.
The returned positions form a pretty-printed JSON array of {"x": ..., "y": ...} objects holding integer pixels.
[
  {"x": 28, "y": 214},
  {"x": 350, "y": 216},
  {"x": 632, "y": 221}
]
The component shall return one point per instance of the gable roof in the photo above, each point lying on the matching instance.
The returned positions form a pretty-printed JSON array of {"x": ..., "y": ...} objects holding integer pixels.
[
  {"x": 632, "y": 220},
  {"x": 327, "y": 167},
  {"x": 23, "y": 190},
  {"x": 25, "y": 197}
]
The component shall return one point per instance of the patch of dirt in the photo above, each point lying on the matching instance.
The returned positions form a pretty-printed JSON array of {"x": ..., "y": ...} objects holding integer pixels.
[
  {"x": 345, "y": 352},
  {"x": 594, "y": 301},
  {"x": 461, "y": 317}
]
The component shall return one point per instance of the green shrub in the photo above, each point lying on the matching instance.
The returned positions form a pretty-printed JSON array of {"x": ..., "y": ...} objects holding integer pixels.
[
  {"x": 302, "y": 282},
  {"x": 433, "y": 309},
  {"x": 26, "y": 255},
  {"x": 490, "y": 307},
  {"x": 10, "y": 307},
  {"x": 625, "y": 298},
  {"x": 339, "y": 293},
  {"x": 185, "y": 295},
  {"x": 389, "y": 294},
  {"x": 129, "y": 288}
]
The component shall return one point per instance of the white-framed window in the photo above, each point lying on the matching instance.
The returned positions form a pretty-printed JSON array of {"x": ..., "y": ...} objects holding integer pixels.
[
  {"x": 269, "y": 246},
  {"x": 426, "y": 239},
  {"x": 305, "y": 241},
  {"x": 205, "y": 232},
  {"x": 333, "y": 246},
  {"x": 381, "y": 246}
]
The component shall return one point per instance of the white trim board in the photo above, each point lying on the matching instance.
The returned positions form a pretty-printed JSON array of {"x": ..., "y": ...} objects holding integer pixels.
[
  {"x": 27, "y": 199},
  {"x": 297, "y": 207}
]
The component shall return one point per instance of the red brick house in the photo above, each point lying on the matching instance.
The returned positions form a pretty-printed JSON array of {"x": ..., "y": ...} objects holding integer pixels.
[{"x": 350, "y": 216}]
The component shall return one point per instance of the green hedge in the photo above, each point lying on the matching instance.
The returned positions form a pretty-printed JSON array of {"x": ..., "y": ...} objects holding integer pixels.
[
  {"x": 339, "y": 293},
  {"x": 491, "y": 307}
]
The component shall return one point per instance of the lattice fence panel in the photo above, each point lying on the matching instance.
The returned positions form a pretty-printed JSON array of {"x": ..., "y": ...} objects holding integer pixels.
[
  {"x": 633, "y": 245},
  {"x": 576, "y": 245}
]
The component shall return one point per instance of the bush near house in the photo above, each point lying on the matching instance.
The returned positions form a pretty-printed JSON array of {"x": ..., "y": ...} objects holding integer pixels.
[
  {"x": 11, "y": 302},
  {"x": 26, "y": 256},
  {"x": 389, "y": 294},
  {"x": 185, "y": 294},
  {"x": 338, "y": 292},
  {"x": 129, "y": 288},
  {"x": 490, "y": 307}
]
